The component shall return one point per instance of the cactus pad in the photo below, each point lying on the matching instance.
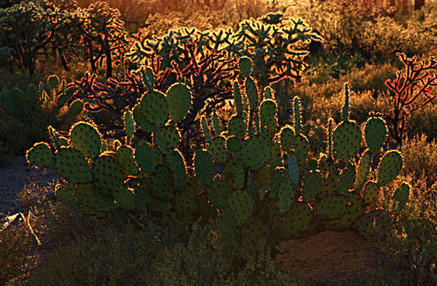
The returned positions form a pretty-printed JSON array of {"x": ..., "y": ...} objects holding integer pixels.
[
  {"x": 268, "y": 112},
  {"x": 363, "y": 170},
  {"x": 154, "y": 108},
  {"x": 161, "y": 183},
  {"x": 370, "y": 192},
  {"x": 242, "y": 206},
  {"x": 255, "y": 151},
  {"x": 401, "y": 195},
  {"x": 235, "y": 175},
  {"x": 71, "y": 166},
  {"x": 237, "y": 127},
  {"x": 129, "y": 123},
  {"x": 125, "y": 199},
  {"x": 347, "y": 138},
  {"x": 53, "y": 81},
  {"x": 312, "y": 186},
  {"x": 233, "y": 144},
  {"x": 179, "y": 101},
  {"x": 217, "y": 149},
  {"x": 252, "y": 93},
  {"x": 286, "y": 195},
  {"x": 389, "y": 167},
  {"x": 288, "y": 138},
  {"x": 245, "y": 66},
  {"x": 85, "y": 138},
  {"x": 204, "y": 167},
  {"x": 332, "y": 206},
  {"x": 185, "y": 201},
  {"x": 347, "y": 179},
  {"x": 126, "y": 160},
  {"x": 296, "y": 220},
  {"x": 176, "y": 164},
  {"x": 141, "y": 119},
  {"x": 67, "y": 195},
  {"x": 218, "y": 195},
  {"x": 237, "y": 99},
  {"x": 375, "y": 132},
  {"x": 40, "y": 155},
  {"x": 167, "y": 137},
  {"x": 108, "y": 175},
  {"x": 354, "y": 210},
  {"x": 146, "y": 157}
]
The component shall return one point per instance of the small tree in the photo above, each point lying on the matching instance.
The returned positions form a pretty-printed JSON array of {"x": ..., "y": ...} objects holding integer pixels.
[{"x": 412, "y": 87}]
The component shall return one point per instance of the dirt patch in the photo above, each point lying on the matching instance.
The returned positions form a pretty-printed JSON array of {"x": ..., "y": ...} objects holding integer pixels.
[
  {"x": 330, "y": 258},
  {"x": 15, "y": 173}
]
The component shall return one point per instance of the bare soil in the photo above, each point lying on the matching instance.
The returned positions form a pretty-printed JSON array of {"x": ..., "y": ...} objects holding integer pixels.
[
  {"x": 15, "y": 174},
  {"x": 330, "y": 258}
]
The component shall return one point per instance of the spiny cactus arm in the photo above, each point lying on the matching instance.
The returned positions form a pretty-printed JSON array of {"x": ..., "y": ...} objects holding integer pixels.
[
  {"x": 345, "y": 110},
  {"x": 297, "y": 115}
]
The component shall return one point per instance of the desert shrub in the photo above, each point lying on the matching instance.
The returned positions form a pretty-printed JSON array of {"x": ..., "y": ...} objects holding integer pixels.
[
  {"x": 16, "y": 243},
  {"x": 412, "y": 250},
  {"x": 423, "y": 121},
  {"x": 420, "y": 158}
]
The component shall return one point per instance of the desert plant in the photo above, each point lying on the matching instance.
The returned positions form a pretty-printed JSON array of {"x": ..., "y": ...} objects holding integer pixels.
[{"x": 414, "y": 86}]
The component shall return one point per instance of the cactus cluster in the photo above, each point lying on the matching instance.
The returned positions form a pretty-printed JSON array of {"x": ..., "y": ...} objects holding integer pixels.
[{"x": 256, "y": 181}]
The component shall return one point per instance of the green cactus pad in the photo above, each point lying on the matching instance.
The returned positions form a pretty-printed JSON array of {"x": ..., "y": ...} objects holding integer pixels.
[
  {"x": 268, "y": 92},
  {"x": 161, "y": 183},
  {"x": 375, "y": 225},
  {"x": 401, "y": 195},
  {"x": 40, "y": 155},
  {"x": 293, "y": 169},
  {"x": 296, "y": 220},
  {"x": 216, "y": 123},
  {"x": 126, "y": 160},
  {"x": 86, "y": 138},
  {"x": 125, "y": 199},
  {"x": 218, "y": 195},
  {"x": 245, "y": 66},
  {"x": 242, "y": 206},
  {"x": 255, "y": 151},
  {"x": 286, "y": 195},
  {"x": 297, "y": 114},
  {"x": 167, "y": 137},
  {"x": 108, "y": 175},
  {"x": 67, "y": 195},
  {"x": 57, "y": 140},
  {"x": 155, "y": 108},
  {"x": 204, "y": 167},
  {"x": 217, "y": 149},
  {"x": 237, "y": 127},
  {"x": 262, "y": 177},
  {"x": 235, "y": 175},
  {"x": 302, "y": 148},
  {"x": 233, "y": 144},
  {"x": 375, "y": 132},
  {"x": 179, "y": 101},
  {"x": 145, "y": 200},
  {"x": 72, "y": 166},
  {"x": 288, "y": 138},
  {"x": 353, "y": 212},
  {"x": 363, "y": 170},
  {"x": 389, "y": 167},
  {"x": 146, "y": 157},
  {"x": 205, "y": 130},
  {"x": 370, "y": 192},
  {"x": 276, "y": 151},
  {"x": 237, "y": 99},
  {"x": 267, "y": 112},
  {"x": 176, "y": 163},
  {"x": 347, "y": 179},
  {"x": 53, "y": 81},
  {"x": 347, "y": 138},
  {"x": 129, "y": 123},
  {"x": 277, "y": 175},
  {"x": 92, "y": 202},
  {"x": 141, "y": 118},
  {"x": 331, "y": 205},
  {"x": 185, "y": 201},
  {"x": 252, "y": 93},
  {"x": 312, "y": 186}
]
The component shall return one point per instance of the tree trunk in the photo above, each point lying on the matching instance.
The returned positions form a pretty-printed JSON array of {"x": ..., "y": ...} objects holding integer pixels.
[{"x": 418, "y": 4}]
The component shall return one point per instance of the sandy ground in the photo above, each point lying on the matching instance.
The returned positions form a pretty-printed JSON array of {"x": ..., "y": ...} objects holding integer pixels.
[{"x": 15, "y": 174}]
